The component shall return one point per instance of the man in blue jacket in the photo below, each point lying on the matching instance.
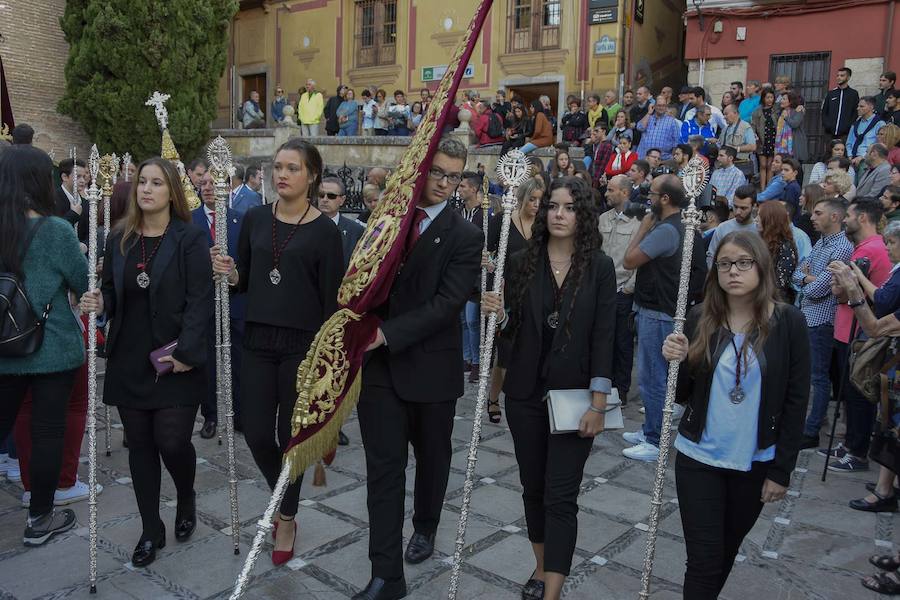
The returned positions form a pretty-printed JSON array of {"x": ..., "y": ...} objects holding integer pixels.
[{"x": 246, "y": 195}]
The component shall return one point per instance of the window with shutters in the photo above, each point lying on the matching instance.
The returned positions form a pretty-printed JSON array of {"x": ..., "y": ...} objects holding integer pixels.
[
  {"x": 376, "y": 32},
  {"x": 533, "y": 25}
]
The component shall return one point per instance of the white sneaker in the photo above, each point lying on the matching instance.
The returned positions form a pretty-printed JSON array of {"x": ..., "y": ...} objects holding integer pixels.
[
  {"x": 642, "y": 410},
  {"x": 79, "y": 491},
  {"x": 644, "y": 451},
  {"x": 12, "y": 470},
  {"x": 76, "y": 493},
  {"x": 634, "y": 437}
]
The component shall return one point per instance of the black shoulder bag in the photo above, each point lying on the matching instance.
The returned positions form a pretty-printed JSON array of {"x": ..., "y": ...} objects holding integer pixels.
[{"x": 21, "y": 330}]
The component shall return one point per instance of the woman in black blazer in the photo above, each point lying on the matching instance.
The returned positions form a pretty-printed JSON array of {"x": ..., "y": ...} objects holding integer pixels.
[
  {"x": 156, "y": 289},
  {"x": 561, "y": 298},
  {"x": 745, "y": 386}
]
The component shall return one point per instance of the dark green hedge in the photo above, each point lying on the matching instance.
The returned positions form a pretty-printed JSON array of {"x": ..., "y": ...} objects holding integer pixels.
[{"x": 123, "y": 50}]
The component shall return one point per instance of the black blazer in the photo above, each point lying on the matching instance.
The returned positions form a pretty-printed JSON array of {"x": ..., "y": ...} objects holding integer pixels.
[
  {"x": 64, "y": 207},
  {"x": 423, "y": 358},
  {"x": 784, "y": 362},
  {"x": 573, "y": 361},
  {"x": 181, "y": 291},
  {"x": 351, "y": 232}
]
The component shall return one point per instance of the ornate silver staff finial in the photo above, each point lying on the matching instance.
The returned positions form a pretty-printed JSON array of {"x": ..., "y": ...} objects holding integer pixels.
[
  {"x": 94, "y": 165},
  {"x": 158, "y": 102},
  {"x": 126, "y": 162},
  {"x": 116, "y": 162},
  {"x": 694, "y": 179},
  {"x": 219, "y": 155},
  {"x": 513, "y": 171}
]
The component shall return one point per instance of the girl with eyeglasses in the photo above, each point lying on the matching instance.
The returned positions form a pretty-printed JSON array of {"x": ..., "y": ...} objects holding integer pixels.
[{"x": 744, "y": 384}]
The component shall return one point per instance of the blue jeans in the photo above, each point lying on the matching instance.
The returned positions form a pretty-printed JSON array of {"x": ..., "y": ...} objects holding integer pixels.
[
  {"x": 467, "y": 343},
  {"x": 652, "y": 371},
  {"x": 821, "y": 343},
  {"x": 527, "y": 148},
  {"x": 473, "y": 324}
]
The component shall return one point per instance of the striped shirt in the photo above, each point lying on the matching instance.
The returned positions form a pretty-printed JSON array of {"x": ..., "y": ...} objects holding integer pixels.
[{"x": 817, "y": 302}]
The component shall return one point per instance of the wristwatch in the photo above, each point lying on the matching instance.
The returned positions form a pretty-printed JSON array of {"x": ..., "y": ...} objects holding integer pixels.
[{"x": 853, "y": 304}]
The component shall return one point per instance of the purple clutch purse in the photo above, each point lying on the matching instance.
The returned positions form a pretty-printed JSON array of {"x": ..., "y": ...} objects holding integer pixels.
[{"x": 163, "y": 368}]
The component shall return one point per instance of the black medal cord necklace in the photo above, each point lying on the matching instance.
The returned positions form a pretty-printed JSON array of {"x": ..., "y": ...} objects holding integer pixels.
[
  {"x": 275, "y": 274},
  {"x": 737, "y": 392}
]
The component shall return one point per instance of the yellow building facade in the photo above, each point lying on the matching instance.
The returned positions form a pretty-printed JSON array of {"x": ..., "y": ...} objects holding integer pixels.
[{"x": 528, "y": 47}]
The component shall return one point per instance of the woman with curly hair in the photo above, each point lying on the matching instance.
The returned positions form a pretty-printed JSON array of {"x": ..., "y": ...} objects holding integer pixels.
[
  {"x": 775, "y": 230},
  {"x": 837, "y": 184},
  {"x": 561, "y": 299}
]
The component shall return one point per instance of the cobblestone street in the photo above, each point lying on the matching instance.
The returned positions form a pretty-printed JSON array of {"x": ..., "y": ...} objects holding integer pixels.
[{"x": 809, "y": 546}]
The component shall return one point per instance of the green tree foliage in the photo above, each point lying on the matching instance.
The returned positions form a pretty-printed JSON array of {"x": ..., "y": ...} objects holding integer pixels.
[{"x": 123, "y": 50}]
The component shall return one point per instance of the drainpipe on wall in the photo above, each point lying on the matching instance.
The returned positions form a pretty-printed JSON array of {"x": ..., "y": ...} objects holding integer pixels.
[
  {"x": 889, "y": 34},
  {"x": 629, "y": 14}
]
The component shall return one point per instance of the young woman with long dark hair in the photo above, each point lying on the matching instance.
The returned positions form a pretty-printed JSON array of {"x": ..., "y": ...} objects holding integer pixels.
[
  {"x": 775, "y": 229},
  {"x": 291, "y": 264},
  {"x": 156, "y": 290},
  {"x": 745, "y": 385},
  {"x": 561, "y": 295},
  {"x": 42, "y": 251}
]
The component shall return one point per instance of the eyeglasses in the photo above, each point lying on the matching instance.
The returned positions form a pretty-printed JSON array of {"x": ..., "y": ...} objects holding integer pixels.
[
  {"x": 743, "y": 264},
  {"x": 437, "y": 175},
  {"x": 331, "y": 195}
]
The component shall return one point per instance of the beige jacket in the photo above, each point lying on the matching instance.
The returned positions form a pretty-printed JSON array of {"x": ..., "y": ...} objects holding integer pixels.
[{"x": 617, "y": 231}]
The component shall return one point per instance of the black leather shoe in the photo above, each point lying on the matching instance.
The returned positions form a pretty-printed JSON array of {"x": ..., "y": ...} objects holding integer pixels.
[
  {"x": 343, "y": 440},
  {"x": 533, "y": 590},
  {"x": 186, "y": 519},
  {"x": 881, "y": 504},
  {"x": 420, "y": 547},
  {"x": 145, "y": 551},
  {"x": 380, "y": 589},
  {"x": 209, "y": 430}
]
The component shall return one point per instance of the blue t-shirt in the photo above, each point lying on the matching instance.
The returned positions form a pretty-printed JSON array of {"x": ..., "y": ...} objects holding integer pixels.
[{"x": 730, "y": 435}]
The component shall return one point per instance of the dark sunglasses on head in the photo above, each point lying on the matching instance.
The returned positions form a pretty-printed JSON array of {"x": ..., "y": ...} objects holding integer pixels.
[{"x": 331, "y": 195}]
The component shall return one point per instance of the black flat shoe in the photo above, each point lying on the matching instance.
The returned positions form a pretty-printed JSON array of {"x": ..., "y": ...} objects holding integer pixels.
[
  {"x": 533, "y": 590},
  {"x": 420, "y": 547},
  {"x": 493, "y": 412},
  {"x": 209, "y": 430},
  {"x": 145, "y": 551},
  {"x": 343, "y": 440},
  {"x": 186, "y": 519},
  {"x": 380, "y": 589},
  {"x": 881, "y": 504}
]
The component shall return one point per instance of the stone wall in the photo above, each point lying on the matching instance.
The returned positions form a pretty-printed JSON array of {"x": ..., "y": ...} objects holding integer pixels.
[
  {"x": 34, "y": 55},
  {"x": 257, "y": 146},
  {"x": 866, "y": 72},
  {"x": 717, "y": 78}
]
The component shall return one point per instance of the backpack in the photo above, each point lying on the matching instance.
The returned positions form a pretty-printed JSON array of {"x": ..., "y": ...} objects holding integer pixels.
[
  {"x": 21, "y": 330},
  {"x": 495, "y": 125},
  {"x": 869, "y": 362}
]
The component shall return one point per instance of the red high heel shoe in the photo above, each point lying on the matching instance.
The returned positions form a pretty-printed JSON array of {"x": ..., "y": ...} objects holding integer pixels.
[{"x": 279, "y": 557}]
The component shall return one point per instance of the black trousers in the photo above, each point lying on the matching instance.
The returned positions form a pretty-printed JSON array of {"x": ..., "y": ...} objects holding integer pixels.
[
  {"x": 50, "y": 397},
  {"x": 387, "y": 425},
  {"x": 551, "y": 467},
  {"x": 166, "y": 433},
  {"x": 270, "y": 391},
  {"x": 623, "y": 344},
  {"x": 718, "y": 508},
  {"x": 210, "y": 404},
  {"x": 860, "y": 412}
]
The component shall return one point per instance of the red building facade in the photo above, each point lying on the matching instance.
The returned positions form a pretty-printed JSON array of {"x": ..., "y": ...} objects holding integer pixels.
[{"x": 807, "y": 40}]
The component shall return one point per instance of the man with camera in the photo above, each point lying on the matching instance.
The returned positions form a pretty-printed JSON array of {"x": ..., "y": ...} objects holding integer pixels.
[
  {"x": 655, "y": 252},
  {"x": 871, "y": 256},
  {"x": 813, "y": 280},
  {"x": 618, "y": 226}
]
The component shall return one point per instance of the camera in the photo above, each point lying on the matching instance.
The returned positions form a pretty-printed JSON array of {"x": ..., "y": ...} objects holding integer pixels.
[
  {"x": 863, "y": 264},
  {"x": 639, "y": 209}
]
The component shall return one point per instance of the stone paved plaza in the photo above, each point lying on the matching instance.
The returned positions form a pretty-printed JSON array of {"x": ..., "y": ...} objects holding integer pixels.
[{"x": 808, "y": 546}]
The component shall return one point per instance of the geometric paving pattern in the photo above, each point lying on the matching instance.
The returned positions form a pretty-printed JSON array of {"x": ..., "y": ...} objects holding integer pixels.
[{"x": 811, "y": 545}]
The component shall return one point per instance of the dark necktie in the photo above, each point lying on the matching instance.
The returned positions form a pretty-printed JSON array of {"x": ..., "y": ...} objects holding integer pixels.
[{"x": 414, "y": 233}]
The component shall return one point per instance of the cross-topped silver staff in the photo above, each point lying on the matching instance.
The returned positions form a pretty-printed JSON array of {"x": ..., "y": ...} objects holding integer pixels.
[
  {"x": 93, "y": 198},
  {"x": 513, "y": 171},
  {"x": 694, "y": 178},
  {"x": 485, "y": 206},
  {"x": 220, "y": 164}
]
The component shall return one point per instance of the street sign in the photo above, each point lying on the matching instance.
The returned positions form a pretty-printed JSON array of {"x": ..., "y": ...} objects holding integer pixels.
[
  {"x": 437, "y": 72},
  {"x": 598, "y": 16},
  {"x": 604, "y": 45}
]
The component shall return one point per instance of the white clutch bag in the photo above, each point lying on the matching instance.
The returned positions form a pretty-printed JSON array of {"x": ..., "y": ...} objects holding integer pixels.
[{"x": 566, "y": 407}]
